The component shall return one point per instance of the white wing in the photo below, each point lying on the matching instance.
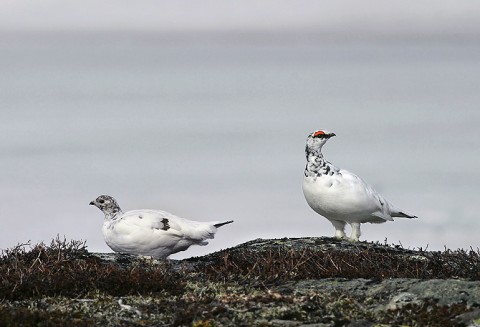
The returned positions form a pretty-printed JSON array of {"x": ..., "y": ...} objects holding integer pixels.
[
  {"x": 156, "y": 233},
  {"x": 363, "y": 198},
  {"x": 346, "y": 197}
]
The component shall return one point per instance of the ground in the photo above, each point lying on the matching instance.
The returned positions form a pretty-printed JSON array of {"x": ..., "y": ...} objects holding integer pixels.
[{"x": 280, "y": 282}]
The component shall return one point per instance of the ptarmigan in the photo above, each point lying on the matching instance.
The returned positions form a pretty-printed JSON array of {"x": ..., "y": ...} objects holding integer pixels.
[
  {"x": 151, "y": 232},
  {"x": 341, "y": 196}
]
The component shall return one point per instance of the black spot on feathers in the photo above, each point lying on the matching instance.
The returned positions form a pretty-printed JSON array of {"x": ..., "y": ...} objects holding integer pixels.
[{"x": 166, "y": 225}]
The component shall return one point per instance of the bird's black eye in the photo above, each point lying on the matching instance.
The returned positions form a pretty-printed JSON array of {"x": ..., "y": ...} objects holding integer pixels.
[{"x": 101, "y": 201}]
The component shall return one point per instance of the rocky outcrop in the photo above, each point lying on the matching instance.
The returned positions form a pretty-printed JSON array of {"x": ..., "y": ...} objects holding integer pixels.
[{"x": 281, "y": 282}]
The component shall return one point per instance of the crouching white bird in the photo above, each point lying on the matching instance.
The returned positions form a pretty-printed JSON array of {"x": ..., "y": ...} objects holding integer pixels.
[
  {"x": 341, "y": 196},
  {"x": 151, "y": 232}
]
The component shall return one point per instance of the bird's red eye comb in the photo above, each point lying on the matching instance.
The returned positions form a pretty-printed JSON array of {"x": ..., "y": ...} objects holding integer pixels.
[{"x": 317, "y": 133}]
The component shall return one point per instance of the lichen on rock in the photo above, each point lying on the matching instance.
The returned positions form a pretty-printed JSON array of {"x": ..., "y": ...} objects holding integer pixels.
[{"x": 282, "y": 282}]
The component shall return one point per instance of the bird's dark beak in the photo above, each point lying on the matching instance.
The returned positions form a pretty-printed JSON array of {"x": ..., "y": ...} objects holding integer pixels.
[
  {"x": 92, "y": 203},
  {"x": 331, "y": 134}
]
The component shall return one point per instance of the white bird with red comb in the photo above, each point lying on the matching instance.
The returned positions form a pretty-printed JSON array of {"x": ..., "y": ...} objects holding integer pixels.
[{"x": 341, "y": 196}]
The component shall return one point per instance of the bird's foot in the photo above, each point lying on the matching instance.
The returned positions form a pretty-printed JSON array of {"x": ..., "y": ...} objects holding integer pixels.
[
  {"x": 340, "y": 235},
  {"x": 354, "y": 237}
]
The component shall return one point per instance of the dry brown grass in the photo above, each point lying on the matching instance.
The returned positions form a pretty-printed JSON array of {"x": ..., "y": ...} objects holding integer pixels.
[
  {"x": 66, "y": 268},
  {"x": 229, "y": 286},
  {"x": 283, "y": 263}
]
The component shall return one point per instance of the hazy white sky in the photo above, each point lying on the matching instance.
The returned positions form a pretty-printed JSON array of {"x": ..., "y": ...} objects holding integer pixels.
[
  {"x": 62, "y": 92},
  {"x": 376, "y": 17}
]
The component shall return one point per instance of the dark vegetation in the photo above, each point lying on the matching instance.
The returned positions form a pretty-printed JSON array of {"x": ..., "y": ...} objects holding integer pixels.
[
  {"x": 62, "y": 283},
  {"x": 66, "y": 269},
  {"x": 279, "y": 263}
]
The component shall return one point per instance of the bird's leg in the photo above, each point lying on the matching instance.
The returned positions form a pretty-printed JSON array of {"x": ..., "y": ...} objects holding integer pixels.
[
  {"x": 339, "y": 228},
  {"x": 355, "y": 232}
]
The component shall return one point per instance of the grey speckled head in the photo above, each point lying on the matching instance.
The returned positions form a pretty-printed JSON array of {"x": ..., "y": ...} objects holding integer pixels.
[
  {"x": 108, "y": 205},
  {"x": 318, "y": 138}
]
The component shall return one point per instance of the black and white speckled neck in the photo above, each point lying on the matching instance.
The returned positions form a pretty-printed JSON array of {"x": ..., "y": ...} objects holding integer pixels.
[
  {"x": 316, "y": 164},
  {"x": 117, "y": 212}
]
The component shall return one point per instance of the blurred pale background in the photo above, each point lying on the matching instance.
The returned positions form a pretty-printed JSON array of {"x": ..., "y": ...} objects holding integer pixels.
[{"x": 202, "y": 108}]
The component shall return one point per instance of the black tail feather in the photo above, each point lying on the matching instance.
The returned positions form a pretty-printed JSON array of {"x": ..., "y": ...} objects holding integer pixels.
[
  {"x": 404, "y": 215},
  {"x": 224, "y": 223}
]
